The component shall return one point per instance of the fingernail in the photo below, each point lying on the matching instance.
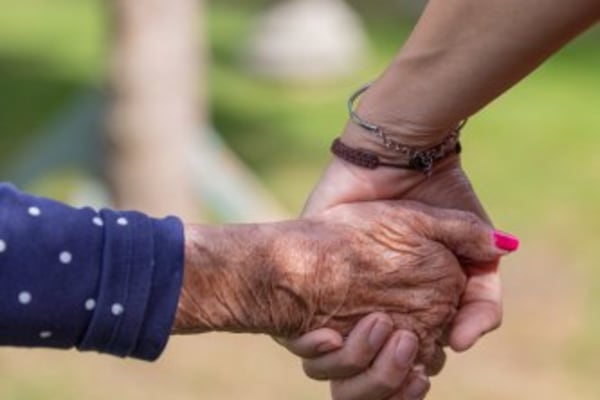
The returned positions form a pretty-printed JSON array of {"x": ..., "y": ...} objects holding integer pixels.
[
  {"x": 417, "y": 388},
  {"x": 327, "y": 347},
  {"x": 379, "y": 333},
  {"x": 406, "y": 349},
  {"x": 505, "y": 241}
]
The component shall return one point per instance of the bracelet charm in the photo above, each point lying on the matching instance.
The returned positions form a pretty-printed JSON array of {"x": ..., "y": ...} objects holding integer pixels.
[{"x": 413, "y": 158}]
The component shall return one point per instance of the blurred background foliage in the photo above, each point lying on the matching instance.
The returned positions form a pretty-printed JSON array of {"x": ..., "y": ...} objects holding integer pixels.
[{"x": 532, "y": 156}]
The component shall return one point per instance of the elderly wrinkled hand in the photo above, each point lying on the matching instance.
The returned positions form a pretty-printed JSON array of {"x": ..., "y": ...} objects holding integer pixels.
[{"x": 331, "y": 270}]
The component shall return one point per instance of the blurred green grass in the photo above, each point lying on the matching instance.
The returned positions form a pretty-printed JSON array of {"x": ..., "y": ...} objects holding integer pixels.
[{"x": 532, "y": 155}]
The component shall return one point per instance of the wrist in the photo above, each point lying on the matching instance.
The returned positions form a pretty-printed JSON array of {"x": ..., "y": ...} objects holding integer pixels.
[
  {"x": 405, "y": 107},
  {"x": 399, "y": 130},
  {"x": 392, "y": 166},
  {"x": 371, "y": 145},
  {"x": 236, "y": 279}
]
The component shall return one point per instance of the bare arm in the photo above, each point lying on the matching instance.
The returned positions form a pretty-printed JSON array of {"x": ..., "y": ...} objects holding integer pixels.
[{"x": 463, "y": 54}]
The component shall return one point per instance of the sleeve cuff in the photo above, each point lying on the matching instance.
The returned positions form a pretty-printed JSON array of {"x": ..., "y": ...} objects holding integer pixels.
[{"x": 140, "y": 283}]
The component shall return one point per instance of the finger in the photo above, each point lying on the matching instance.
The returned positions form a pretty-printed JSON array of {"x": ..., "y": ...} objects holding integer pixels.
[
  {"x": 466, "y": 235},
  {"x": 417, "y": 385},
  {"x": 386, "y": 375},
  {"x": 313, "y": 344},
  {"x": 361, "y": 347},
  {"x": 416, "y": 388},
  {"x": 480, "y": 311}
]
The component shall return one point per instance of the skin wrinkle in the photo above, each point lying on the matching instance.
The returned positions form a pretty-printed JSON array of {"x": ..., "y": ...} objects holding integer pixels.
[
  {"x": 324, "y": 318},
  {"x": 330, "y": 257},
  {"x": 260, "y": 296},
  {"x": 285, "y": 279}
]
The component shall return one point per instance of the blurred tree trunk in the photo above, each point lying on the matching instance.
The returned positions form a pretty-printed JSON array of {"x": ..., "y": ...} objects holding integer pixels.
[{"x": 154, "y": 105}]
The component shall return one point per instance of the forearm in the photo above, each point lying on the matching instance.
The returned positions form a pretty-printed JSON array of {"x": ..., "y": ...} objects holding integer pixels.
[
  {"x": 462, "y": 55},
  {"x": 234, "y": 280}
]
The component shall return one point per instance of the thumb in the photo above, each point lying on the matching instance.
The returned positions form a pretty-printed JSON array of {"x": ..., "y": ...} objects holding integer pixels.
[{"x": 470, "y": 238}]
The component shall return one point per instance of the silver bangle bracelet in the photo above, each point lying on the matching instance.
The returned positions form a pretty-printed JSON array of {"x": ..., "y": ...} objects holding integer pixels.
[{"x": 418, "y": 159}]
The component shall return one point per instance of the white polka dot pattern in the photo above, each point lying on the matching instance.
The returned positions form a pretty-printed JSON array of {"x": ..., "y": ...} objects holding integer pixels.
[
  {"x": 65, "y": 257},
  {"x": 24, "y": 297},
  {"x": 34, "y": 211},
  {"x": 117, "y": 309},
  {"x": 66, "y": 273},
  {"x": 45, "y": 334},
  {"x": 90, "y": 304}
]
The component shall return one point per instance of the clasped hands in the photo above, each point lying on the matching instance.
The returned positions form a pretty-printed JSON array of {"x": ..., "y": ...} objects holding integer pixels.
[
  {"x": 367, "y": 292},
  {"x": 360, "y": 369}
]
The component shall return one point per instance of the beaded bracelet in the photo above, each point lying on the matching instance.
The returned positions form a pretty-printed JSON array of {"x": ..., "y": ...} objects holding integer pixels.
[{"x": 415, "y": 159}]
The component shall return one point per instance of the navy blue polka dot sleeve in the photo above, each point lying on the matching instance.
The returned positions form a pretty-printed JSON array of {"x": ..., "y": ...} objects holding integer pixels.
[{"x": 103, "y": 281}]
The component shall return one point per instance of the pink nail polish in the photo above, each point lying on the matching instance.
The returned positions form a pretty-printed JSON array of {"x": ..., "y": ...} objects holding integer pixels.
[{"x": 505, "y": 241}]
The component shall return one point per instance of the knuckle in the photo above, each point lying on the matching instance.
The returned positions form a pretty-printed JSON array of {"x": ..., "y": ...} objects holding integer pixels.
[
  {"x": 446, "y": 257},
  {"x": 471, "y": 218},
  {"x": 385, "y": 382},
  {"x": 355, "y": 359},
  {"x": 472, "y": 221},
  {"x": 354, "y": 362}
]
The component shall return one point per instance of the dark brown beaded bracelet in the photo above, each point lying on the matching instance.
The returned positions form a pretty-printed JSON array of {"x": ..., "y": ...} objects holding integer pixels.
[{"x": 421, "y": 161}]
